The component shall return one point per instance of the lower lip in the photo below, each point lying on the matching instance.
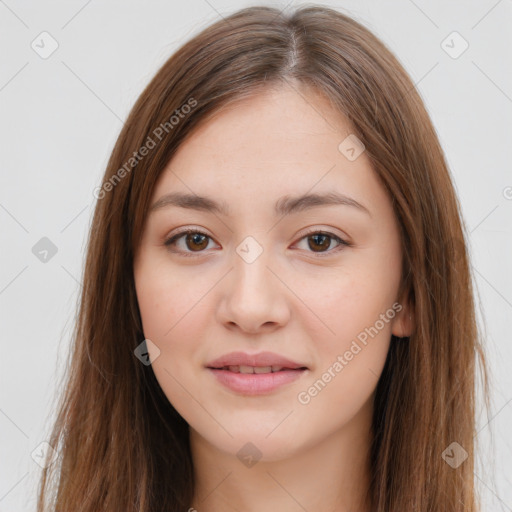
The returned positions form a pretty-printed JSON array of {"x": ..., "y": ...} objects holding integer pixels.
[{"x": 256, "y": 383}]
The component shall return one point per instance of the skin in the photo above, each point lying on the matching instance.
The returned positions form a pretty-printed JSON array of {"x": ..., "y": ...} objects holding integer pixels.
[{"x": 308, "y": 306}]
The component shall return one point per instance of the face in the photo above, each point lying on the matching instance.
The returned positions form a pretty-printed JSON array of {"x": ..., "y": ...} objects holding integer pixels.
[{"x": 313, "y": 282}]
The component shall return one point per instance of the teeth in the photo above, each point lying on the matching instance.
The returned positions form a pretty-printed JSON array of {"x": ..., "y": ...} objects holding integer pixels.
[
  {"x": 253, "y": 369},
  {"x": 262, "y": 369}
]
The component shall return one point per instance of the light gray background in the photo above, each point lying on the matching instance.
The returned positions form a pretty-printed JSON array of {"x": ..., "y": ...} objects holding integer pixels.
[{"x": 60, "y": 117}]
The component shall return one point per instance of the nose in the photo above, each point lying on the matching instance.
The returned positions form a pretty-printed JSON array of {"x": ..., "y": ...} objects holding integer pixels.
[{"x": 254, "y": 298}]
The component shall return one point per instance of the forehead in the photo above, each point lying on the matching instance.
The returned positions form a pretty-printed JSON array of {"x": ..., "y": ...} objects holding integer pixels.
[
  {"x": 278, "y": 142},
  {"x": 273, "y": 125}
]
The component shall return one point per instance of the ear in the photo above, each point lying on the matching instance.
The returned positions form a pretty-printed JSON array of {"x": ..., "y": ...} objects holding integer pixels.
[{"x": 403, "y": 323}]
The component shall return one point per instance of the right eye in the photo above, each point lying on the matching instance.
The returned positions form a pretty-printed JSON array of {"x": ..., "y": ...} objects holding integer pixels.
[{"x": 194, "y": 240}]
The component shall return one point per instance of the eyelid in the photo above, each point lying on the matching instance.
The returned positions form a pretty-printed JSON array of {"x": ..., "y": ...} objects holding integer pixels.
[
  {"x": 341, "y": 241},
  {"x": 176, "y": 236}
]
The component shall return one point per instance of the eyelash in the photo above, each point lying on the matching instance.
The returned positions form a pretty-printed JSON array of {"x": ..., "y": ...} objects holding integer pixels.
[{"x": 342, "y": 243}]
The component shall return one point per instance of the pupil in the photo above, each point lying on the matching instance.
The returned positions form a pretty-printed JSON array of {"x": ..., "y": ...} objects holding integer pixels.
[
  {"x": 196, "y": 239},
  {"x": 316, "y": 237}
]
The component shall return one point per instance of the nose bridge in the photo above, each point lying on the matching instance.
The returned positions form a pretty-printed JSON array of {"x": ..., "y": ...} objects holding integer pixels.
[
  {"x": 252, "y": 297},
  {"x": 250, "y": 262}
]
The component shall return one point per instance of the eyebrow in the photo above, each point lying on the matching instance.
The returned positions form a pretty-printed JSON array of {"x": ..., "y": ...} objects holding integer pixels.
[{"x": 285, "y": 205}]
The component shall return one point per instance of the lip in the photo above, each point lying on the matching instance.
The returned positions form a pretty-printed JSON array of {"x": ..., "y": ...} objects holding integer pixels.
[
  {"x": 259, "y": 359},
  {"x": 255, "y": 383}
]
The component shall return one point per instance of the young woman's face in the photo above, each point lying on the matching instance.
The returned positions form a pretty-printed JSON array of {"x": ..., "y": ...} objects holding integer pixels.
[{"x": 270, "y": 275}]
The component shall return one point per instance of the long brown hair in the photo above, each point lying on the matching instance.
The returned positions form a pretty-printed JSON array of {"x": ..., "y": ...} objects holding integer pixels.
[{"x": 121, "y": 444}]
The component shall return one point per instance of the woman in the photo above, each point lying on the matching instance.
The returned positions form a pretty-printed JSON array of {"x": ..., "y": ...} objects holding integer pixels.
[{"x": 277, "y": 309}]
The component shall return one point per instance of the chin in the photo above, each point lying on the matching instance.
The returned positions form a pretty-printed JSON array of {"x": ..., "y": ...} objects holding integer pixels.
[{"x": 252, "y": 440}]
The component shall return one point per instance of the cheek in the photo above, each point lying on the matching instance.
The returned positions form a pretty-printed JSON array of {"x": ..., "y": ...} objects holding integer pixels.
[
  {"x": 355, "y": 306},
  {"x": 344, "y": 302},
  {"x": 350, "y": 360},
  {"x": 176, "y": 313},
  {"x": 173, "y": 314},
  {"x": 168, "y": 298}
]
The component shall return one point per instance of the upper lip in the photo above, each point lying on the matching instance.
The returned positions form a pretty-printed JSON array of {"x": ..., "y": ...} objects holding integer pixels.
[{"x": 261, "y": 359}]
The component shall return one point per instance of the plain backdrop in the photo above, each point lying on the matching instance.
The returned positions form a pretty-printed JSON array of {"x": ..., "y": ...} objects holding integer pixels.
[{"x": 60, "y": 115}]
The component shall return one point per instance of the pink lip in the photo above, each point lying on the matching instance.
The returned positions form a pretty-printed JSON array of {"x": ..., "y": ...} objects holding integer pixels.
[
  {"x": 260, "y": 359},
  {"x": 255, "y": 383}
]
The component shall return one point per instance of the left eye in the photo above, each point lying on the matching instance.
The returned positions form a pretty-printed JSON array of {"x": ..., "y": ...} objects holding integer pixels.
[
  {"x": 322, "y": 240},
  {"x": 196, "y": 241}
]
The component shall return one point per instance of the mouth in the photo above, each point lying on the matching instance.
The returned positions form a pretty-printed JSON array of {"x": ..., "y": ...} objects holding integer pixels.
[
  {"x": 256, "y": 380},
  {"x": 256, "y": 369},
  {"x": 255, "y": 374}
]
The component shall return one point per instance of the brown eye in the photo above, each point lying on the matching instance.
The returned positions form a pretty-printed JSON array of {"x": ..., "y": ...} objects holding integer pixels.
[
  {"x": 196, "y": 241},
  {"x": 319, "y": 242}
]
